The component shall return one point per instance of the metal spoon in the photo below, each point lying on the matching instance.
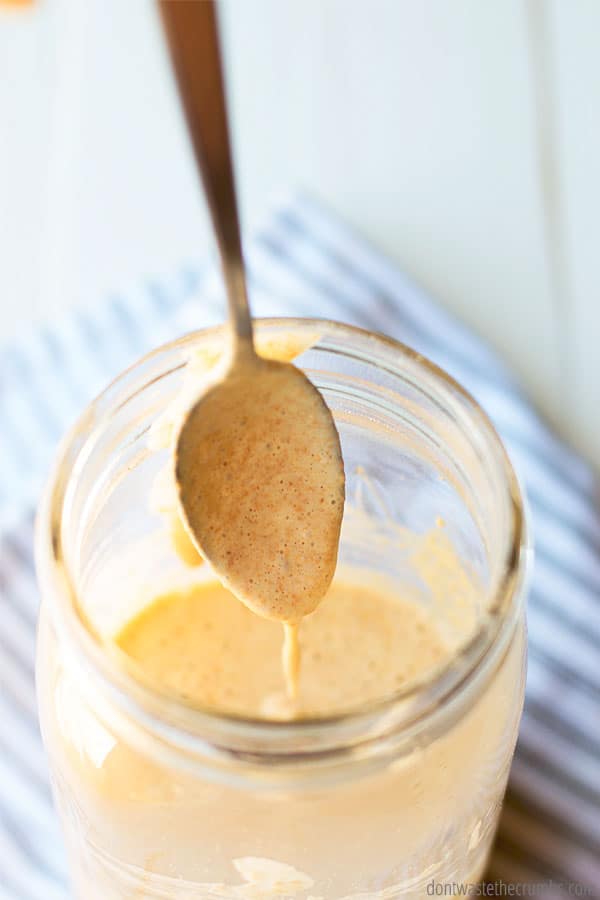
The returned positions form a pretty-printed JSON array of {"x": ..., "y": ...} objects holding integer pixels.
[{"x": 258, "y": 464}]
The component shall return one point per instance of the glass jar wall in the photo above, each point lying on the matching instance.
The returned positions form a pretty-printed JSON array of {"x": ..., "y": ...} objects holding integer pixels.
[{"x": 162, "y": 799}]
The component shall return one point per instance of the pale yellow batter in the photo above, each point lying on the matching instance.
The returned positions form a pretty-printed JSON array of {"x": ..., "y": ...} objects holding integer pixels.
[{"x": 359, "y": 645}]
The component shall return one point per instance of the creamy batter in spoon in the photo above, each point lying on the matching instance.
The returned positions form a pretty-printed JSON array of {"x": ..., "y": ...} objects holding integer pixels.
[{"x": 258, "y": 465}]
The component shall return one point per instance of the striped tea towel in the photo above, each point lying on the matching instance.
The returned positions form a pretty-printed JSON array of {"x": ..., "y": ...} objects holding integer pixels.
[{"x": 304, "y": 262}]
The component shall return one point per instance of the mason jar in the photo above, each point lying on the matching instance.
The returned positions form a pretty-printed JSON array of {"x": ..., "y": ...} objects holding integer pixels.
[{"x": 159, "y": 798}]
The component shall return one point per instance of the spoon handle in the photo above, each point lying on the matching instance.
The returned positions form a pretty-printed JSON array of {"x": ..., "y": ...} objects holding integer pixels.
[{"x": 191, "y": 29}]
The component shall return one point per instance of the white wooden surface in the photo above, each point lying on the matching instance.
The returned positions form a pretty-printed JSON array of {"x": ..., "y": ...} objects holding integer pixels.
[{"x": 461, "y": 137}]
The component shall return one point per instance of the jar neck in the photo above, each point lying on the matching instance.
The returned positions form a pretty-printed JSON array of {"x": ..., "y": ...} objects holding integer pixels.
[{"x": 227, "y": 748}]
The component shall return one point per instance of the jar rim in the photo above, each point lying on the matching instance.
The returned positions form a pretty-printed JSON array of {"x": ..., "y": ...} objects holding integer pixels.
[{"x": 224, "y": 738}]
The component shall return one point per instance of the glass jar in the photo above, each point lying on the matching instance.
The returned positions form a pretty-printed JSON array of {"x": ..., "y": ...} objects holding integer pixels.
[{"x": 160, "y": 799}]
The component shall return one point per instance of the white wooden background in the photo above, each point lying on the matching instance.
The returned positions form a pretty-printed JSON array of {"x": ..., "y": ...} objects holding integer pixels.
[{"x": 461, "y": 136}]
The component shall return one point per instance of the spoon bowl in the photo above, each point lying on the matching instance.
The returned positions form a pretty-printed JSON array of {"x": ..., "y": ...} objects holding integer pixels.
[{"x": 260, "y": 497}]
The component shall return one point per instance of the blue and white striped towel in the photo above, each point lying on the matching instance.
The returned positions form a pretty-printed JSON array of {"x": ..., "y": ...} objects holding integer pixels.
[{"x": 306, "y": 263}]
